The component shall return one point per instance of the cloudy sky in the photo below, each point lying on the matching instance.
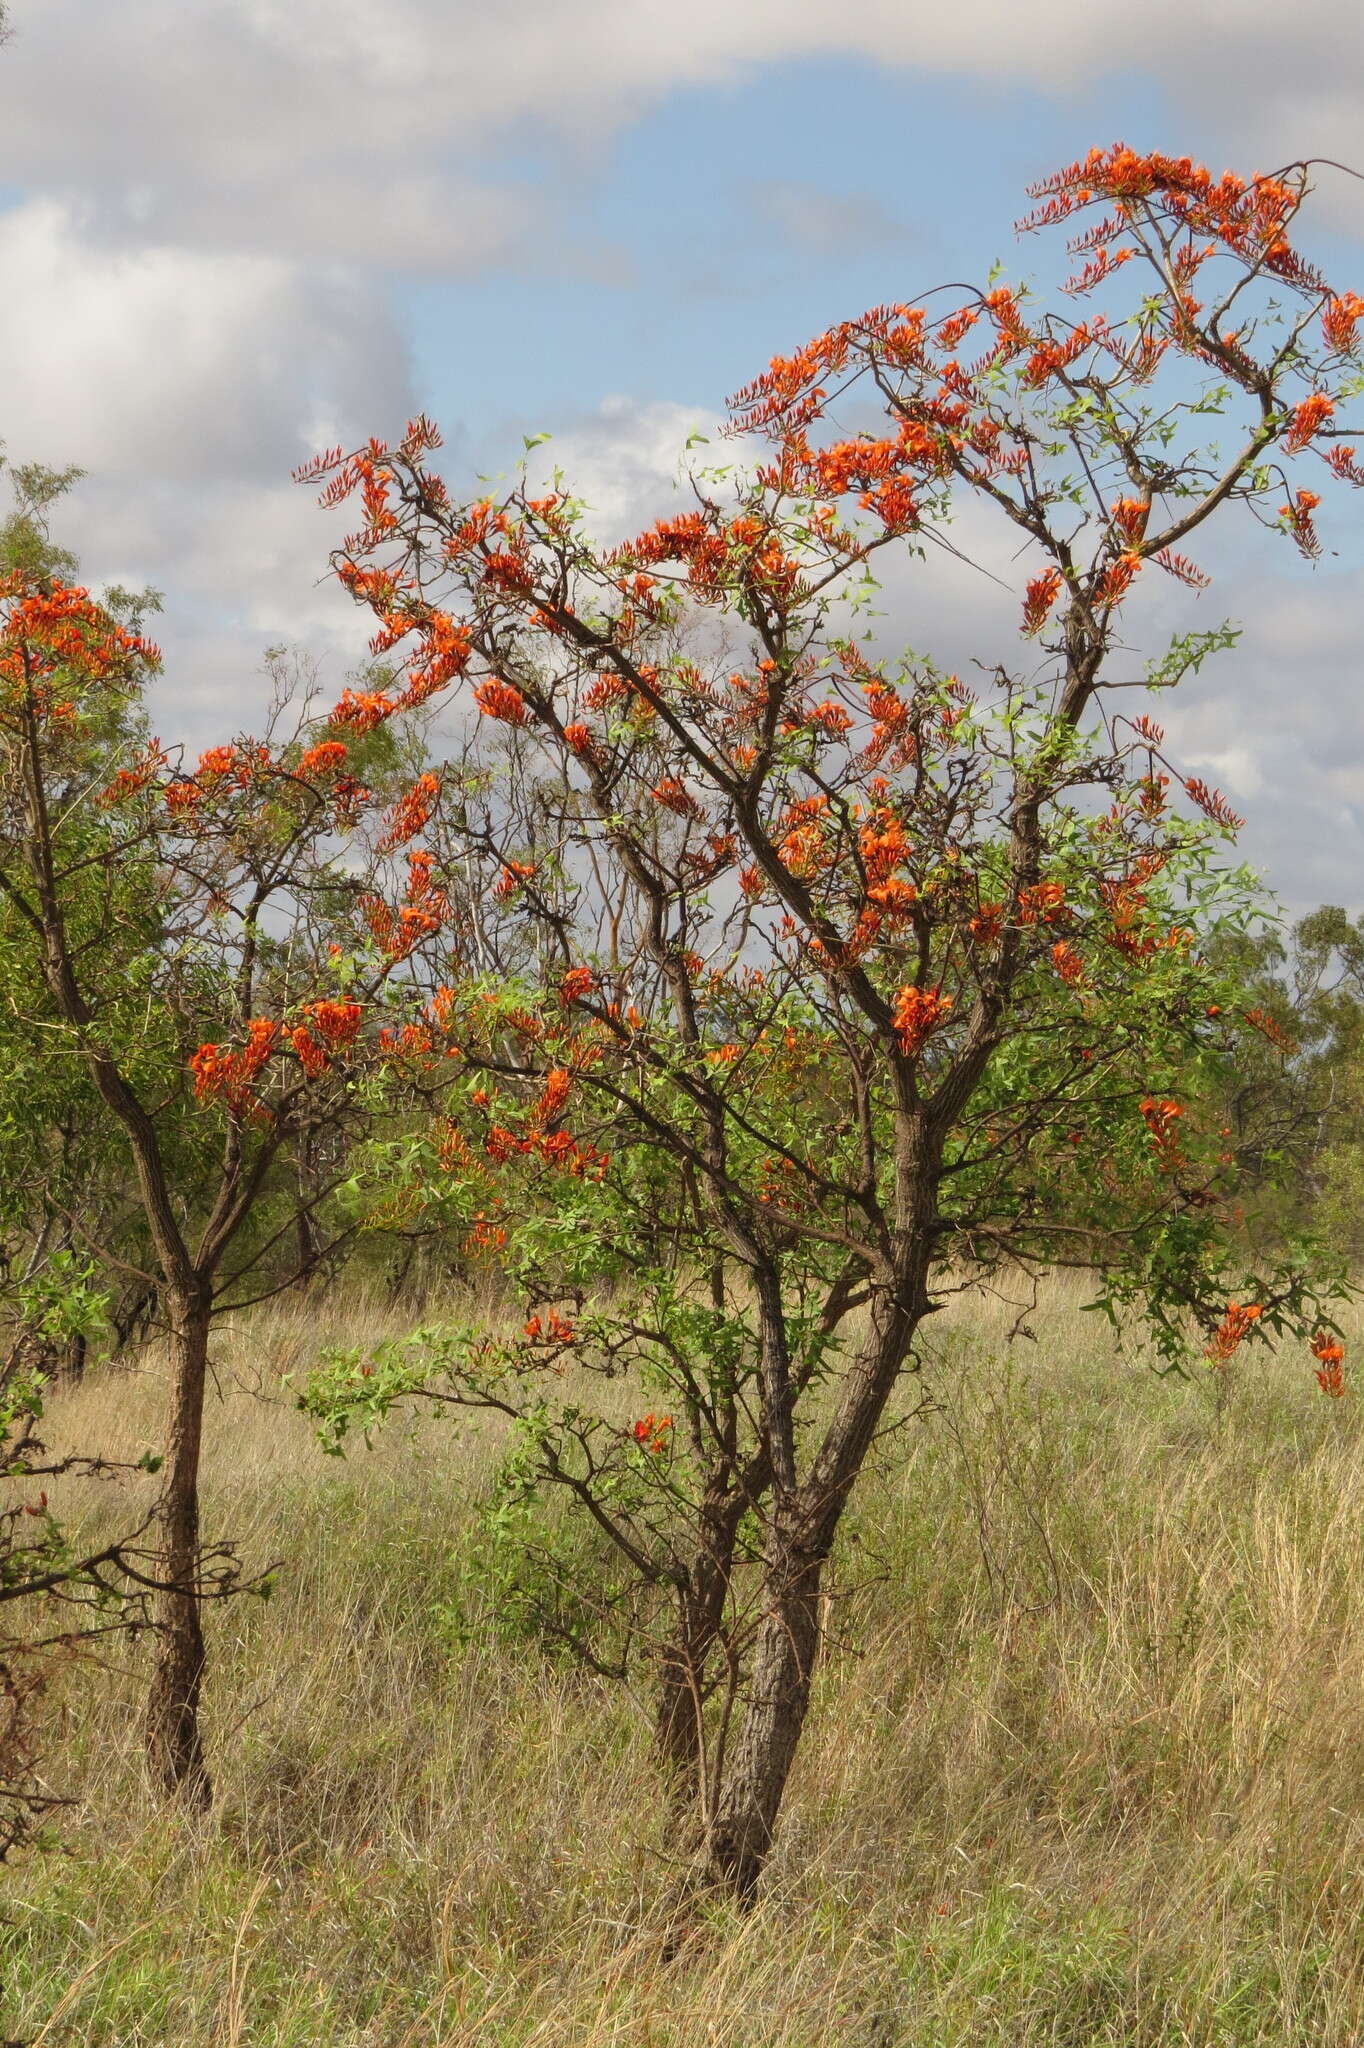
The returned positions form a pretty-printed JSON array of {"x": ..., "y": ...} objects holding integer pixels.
[{"x": 232, "y": 231}]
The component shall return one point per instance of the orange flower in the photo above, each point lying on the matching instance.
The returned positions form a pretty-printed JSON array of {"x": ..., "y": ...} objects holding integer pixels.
[
  {"x": 674, "y": 796},
  {"x": 1339, "y": 321},
  {"x": 1308, "y": 415},
  {"x": 1067, "y": 963},
  {"x": 650, "y": 1432},
  {"x": 323, "y": 759},
  {"x": 1229, "y": 1332},
  {"x": 1116, "y": 580},
  {"x": 1162, "y": 1119},
  {"x": 497, "y": 699},
  {"x": 575, "y": 985},
  {"x": 553, "y": 1096},
  {"x": 1043, "y": 903},
  {"x": 984, "y": 926},
  {"x": 514, "y": 873},
  {"x": 1039, "y": 598},
  {"x": 411, "y": 812},
  {"x": 1297, "y": 518},
  {"x": 1330, "y": 1377},
  {"x": 916, "y": 1014}
]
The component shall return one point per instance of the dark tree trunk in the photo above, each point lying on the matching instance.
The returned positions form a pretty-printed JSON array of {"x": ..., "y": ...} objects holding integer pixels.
[
  {"x": 778, "y": 1697},
  {"x": 175, "y": 1751},
  {"x": 800, "y": 1535},
  {"x": 678, "y": 1725}
]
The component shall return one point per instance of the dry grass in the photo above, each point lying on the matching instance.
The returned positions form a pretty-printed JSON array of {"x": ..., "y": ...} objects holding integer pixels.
[{"x": 1085, "y": 1766}]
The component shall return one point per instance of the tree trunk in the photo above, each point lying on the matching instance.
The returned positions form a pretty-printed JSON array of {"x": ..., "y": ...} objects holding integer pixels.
[
  {"x": 682, "y": 1666},
  {"x": 778, "y": 1697},
  {"x": 801, "y": 1533},
  {"x": 175, "y": 1752}
]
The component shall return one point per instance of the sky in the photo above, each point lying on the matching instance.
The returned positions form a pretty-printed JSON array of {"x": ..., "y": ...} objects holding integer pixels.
[{"x": 235, "y": 231}]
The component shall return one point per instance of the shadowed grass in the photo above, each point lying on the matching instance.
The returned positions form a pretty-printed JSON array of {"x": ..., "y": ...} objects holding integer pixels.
[{"x": 1084, "y": 1765}]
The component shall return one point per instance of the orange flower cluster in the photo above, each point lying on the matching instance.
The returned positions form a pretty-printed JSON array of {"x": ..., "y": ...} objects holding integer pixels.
[
  {"x": 1297, "y": 518},
  {"x": 1246, "y": 216},
  {"x": 802, "y": 848},
  {"x": 1213, "y": 804},
  {"x": 1116, "y": 579},
  {"x": 514, "y": 873},
  {"x": 1042, "y": 903},
  {"x": 1339, "y": 321},
  {"x": 129, "y": 781},
  {"x": 327, "y": 1028},
  {"x": 1041, "y": 595},
  {"x": 1310, "y": 414},
  {"x": 324, "y": 759},
  {"x": 485, "y": 1236},
  {"x": 1261, "y": 1021},
  {"x": 674, "y": 796},
  {"x": 500, "y": 700},
  {"x": 552, "y": 1328},
  {"x": 1067, "y": 963},
  {"x": 831, "y": 718},
  {"x": 425, "y": 909},
  {"x": 411, "y": 813},
  {"x": 1162, "y": 1121},
  {"x": 50, "y": 637},
  {"x": 1329, "y": 1354},
  {"x": 651, "y": 1433},
  {"x": 1230, "y": 1331},
  {"x": 574, "y": 985},
  {"x": 607, "y": 688},
  {"x": 553, "y": 1096},
  {"x": 892, "y": 733},
  {"x": 984, "y": 925},
  {"x": 219, "y": 1071},
  {"x": 359, "y": 711},
  {"x": 559, "y": 1149},
  {"x": 916, "y": 1014}
]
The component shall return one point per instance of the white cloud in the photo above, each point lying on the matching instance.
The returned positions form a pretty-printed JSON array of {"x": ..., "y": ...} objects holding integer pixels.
[
  {"x": 178, "y": 363},
  {"x": 333, "y": 127}
]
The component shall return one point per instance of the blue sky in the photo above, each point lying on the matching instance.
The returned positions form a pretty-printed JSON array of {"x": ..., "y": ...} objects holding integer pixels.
[
  {"x": 233, "y": 230},
  {"x": 739, "y": 219}
]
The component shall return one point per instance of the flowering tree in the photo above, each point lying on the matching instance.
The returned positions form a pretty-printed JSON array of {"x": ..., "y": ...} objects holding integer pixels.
[
  {"x": 210, "y": 953},
  {"x": 810, "y": 984}
]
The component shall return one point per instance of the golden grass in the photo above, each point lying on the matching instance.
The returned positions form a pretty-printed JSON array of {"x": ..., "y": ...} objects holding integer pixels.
[{"x": 1086, "y": 1764}]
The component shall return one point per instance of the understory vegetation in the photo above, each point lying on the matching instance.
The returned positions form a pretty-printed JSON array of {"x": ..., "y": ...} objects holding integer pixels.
[{"x": 1082, "y": 1767}]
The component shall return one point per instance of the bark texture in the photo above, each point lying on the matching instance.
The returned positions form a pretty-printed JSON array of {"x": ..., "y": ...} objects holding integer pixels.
[{"x": 175, "y": 1750}]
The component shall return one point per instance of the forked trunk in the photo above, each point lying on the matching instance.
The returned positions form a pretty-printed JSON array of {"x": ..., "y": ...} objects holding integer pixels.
[
  {"x": 784, "y": 1657},
  {"x": 683, "y": 1674},
  {"x": 800, "y": 1536},
  {"x": 175, "y": 1751}
]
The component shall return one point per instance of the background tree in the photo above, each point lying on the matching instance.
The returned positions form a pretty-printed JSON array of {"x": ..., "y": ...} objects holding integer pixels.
[
  {"x": 196, "y": 951},
  {"x": 896, "y": 976}
]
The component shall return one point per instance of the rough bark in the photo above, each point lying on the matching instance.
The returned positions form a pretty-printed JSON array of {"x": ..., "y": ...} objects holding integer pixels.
[
  {"x": 678, "y": 1728},
  {"x": 801, "y": 1531},
  {"x": 175, "y": 1751},
  {"x": 778, "y": 1698}
]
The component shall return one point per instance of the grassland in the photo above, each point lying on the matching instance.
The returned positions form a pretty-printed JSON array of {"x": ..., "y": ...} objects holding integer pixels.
[{"x": 1087, "y": 1764}]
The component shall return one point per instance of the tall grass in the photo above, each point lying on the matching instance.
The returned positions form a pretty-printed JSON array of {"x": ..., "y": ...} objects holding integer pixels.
[{"x": 1085, "y": 1764}]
